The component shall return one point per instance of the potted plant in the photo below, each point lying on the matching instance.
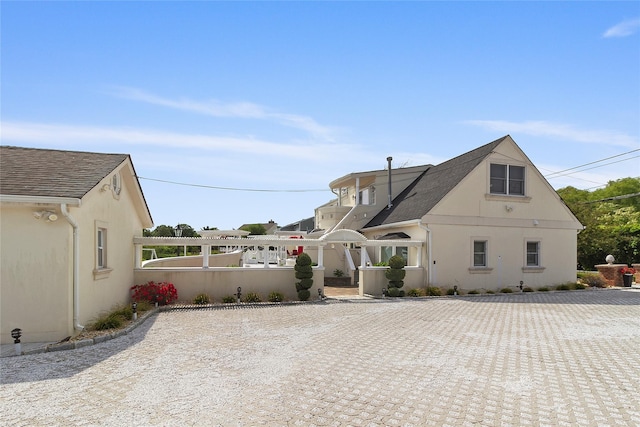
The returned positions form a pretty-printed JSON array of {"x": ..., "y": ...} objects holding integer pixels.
[{"x": 627, "y": 276}]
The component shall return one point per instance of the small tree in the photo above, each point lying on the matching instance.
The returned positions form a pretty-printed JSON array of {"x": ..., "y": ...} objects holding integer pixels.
[
  {"x": 395, "y": 274},
  {"x": 304, "y": 273}
]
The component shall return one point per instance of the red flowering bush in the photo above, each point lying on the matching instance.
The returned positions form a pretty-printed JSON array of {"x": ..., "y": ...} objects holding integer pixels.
[
  {"x": 163, "y": 293},
  {"x": 628, "y": 270}
]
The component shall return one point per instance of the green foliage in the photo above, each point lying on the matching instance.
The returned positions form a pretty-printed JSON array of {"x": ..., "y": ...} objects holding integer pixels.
[
  {"x": 434, "y": 291},
  {"x": 255, "y": 229},
  {"x": 229, "y": 299},
  {"x": 338, "y": 273},
  {"x": 527, "y": 289},
  {"x": 124, "y": 311},
  {"x": 490, "y": 292},
  {"x": 592, "y": 279},
  {"x": 380, "y": 264},
  {"x": 473, "y": 292},
  {"x": 579, "y": 286},
  {"x": 202, "y": 299},
  {"x": 304, "y": 273},
  {"x": 304, "y": 294},
  {"x": 612, "y": 226},
  {"x": 252, "y": 297},
  {"x": 107, "y": 321},
  {"x": 394, "y": 275},
  {"x": 397, "y": 262},
  {"x": 275, "y": 297},
  {"x": 563, "y": 287},
  {"x": 416, "y": 292},
  {"x": 506, "y": 291},
  {"x": 393, "y": 292},
  {"x": 543, "y": 289}
]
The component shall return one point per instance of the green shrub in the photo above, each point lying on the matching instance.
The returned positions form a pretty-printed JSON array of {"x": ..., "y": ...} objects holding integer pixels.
[
  {"x": 397, "y": 262},
  {"x": 490, "y": 292},
  {"x": 473, "y": 292},
  {"x": 275, "y": 297},
  {"x": 304, "y": 273},
  {"x": 229, "y": 299},
  {"x": 202, "y": 299},
  {"x": 304, "y": 294},
  {"x": 527, "y": 289},
  {"x": 338, "y": 273},
  {"x": 592, "y": 279},
  {"x": 107, "y": 321},
  {"x": 543, "y": 289},
  {"x": 579, "y": 286},
  {"x": 434, "y": 291},
  {"x": 125, "y": 311},
  {"x": 563, "y": 287},
  {"x": 416, "y": 292},
  {"x": 393, "y": 291},
  {"x": 506, "y": 290},
  {"x": 252, "y": 297},
  {"x": 380, "y": 264}
]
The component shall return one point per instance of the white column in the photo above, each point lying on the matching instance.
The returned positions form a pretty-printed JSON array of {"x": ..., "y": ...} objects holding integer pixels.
[
  {"x": 320, "y": 256},
  {"x": 138, "y": 256},
  {"x": 363, "y": 256},
  {"x": 357, "y": 191},
  {"x": 265, "y": 255},
  {"x": 206, "y": 250}
]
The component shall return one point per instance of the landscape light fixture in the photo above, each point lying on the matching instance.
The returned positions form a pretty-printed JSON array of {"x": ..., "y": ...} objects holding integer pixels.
[
  {"x": 239, "y": 294},
  {"x": 320, "y": 294},
  {"x": 16, "y": 334},
  {"x": 455, "y": 289},
  {"x": 384, "y": 292},
  {"x": 178, "y": 233},
  {"x": 134, "y": 309},
  {"x": 521, "y": 283}
]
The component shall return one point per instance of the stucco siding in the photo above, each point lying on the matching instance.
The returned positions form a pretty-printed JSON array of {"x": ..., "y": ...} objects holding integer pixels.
[
  {"x": 117, "y": 214},
  {"x": 35, "y": 284}
]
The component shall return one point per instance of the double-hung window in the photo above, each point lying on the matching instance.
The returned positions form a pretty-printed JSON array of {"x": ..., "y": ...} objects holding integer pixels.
[
  {"x": 533, "y": 254},
  {"x": 101, "y": 248},
  {"x": 506, "y": 179},
  {"x": 479, "y": 253}
]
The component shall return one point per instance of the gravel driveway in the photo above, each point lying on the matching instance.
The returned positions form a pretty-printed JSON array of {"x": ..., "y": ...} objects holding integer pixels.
[{"x": 540, "y": 359}]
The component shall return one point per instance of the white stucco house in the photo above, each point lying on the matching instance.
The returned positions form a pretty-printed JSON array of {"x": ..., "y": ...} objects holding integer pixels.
[
  {"x": 487, "y": 219},
  {"x": 67, "y": 223}
]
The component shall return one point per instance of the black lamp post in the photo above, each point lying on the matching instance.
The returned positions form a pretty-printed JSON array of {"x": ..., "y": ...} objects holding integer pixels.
[
  {"x": 239, "y": 294},
  {"x": 16, "y": 334}
]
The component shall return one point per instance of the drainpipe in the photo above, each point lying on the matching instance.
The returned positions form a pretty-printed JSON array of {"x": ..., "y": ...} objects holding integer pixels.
[
  {"x": 425, "y": 228},
  {"x": 76, "y": 266}
]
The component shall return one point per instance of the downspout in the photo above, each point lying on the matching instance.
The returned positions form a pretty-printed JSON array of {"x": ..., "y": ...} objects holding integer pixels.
[
  {"x": 425, "y": 228},
  {"x": 76, "y": 266},
  {"x": 389, "y": 204}
]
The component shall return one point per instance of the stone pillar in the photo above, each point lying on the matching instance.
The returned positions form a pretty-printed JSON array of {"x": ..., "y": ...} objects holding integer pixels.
[
  {"x": 611, "y": 273},
  {"x": 636, "y": 277}
]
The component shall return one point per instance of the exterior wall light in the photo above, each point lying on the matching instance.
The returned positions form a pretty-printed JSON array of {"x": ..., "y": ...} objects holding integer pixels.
[{"x": 16, "y": 334}]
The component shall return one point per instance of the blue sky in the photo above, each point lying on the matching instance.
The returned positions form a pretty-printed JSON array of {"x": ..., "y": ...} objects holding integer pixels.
[{"x": 292, "y": 95}]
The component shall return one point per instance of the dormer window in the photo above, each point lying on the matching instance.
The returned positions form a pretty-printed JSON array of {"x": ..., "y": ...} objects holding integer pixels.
[{"x": 507, "y": 179}]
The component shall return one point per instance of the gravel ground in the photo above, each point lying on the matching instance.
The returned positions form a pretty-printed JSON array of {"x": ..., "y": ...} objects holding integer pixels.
[{"x": 541, "y": 359}]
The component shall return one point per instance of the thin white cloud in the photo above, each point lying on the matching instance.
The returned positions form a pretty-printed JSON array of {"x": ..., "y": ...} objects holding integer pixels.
[
  {"x": 68, "y": 135},
  {"x": 558, "y": 130},
  {"x": 623, "y": 29},
  {"x": 243, "y": 110}
]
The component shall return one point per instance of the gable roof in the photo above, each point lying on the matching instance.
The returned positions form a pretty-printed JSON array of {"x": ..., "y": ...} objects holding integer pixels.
[
  {"x": 431, "y": 186},
  {"x": 53, "y": 173}
]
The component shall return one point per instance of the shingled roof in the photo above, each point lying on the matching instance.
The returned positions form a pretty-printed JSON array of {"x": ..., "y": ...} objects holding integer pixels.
[
  {"x": 53, "y": 173},
  {"x": 431, "y": 186}
]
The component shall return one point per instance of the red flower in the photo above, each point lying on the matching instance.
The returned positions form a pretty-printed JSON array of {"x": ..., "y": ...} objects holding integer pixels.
[
  {"x": 163, "y": 293},
  {"x": 627, "y": 270}
]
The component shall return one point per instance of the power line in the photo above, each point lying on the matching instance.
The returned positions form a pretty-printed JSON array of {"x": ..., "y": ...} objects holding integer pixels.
[
  {"x": 594, "y": 167},
  {"x": 597, "y": 161},
  {"x": 623, "y": 196},
  {"x": 231, "y": 188}
]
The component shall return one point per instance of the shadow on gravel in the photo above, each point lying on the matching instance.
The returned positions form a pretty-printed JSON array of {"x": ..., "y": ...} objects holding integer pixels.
[{"x": 68, "y": 363}]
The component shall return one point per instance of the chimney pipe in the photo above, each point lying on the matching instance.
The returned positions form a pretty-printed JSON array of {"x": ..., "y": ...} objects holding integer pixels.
[{"x": 389, "y": 179}]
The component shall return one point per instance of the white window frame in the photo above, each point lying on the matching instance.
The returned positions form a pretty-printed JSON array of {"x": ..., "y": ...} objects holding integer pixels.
[
  {"x": 508, "y": 180},
  {"x": 485, "y": 253},
  {"x": 528, "y": 253},
  {"x": 102, "y": 268}
]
